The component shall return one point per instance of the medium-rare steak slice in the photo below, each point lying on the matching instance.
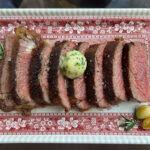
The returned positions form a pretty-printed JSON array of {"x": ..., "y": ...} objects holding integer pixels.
[
  {"x": 138, "y": 71},
  {"x": 94, "y": 76},
  {"x": 6, "y": 102},
  {"x": 108, "y": 60},
  {"x": 19, "y": 70},
  {"x": 57, "y": 83},
  {"x": 118, "y": 82},
  {"x": 98, "y": 77},
  {"x": 76, "y": 88},
  {"x": 43, "y": 76}
]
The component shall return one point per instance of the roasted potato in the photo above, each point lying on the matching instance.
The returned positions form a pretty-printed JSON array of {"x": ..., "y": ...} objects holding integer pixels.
[
  {"x": 143, "y": 112},
  {"x": 146, "y": 123}
]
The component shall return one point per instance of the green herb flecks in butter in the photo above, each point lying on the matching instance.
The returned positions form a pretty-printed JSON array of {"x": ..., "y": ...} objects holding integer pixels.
[{"x": 73, "y": 64}]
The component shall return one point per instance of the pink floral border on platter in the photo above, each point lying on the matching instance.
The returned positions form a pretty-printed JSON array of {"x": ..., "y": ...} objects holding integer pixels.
[{"x": 71, "y": 123}]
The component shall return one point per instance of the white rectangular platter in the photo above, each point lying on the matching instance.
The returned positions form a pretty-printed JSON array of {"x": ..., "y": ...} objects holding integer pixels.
[{"x": 52, "y": 124}]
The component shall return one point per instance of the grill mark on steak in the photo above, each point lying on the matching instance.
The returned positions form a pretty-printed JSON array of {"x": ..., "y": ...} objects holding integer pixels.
[
  {"x": 35, "y": 68},
  {"x": 89, "y": 73},
  {"x": 108, "y": 57},
  {"x": 125, "y": 69},
  {"x": 52, "y": 73}
]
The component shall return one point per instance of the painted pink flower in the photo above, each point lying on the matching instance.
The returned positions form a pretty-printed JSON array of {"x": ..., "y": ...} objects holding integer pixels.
[
  {"x": 102, "y": 126},
  {"x": 42, "y": 128},
  {"x": 97, "y": 22},
  {"x": 95, "y": 128},
  {"x": 43, "y": 123},
  {"x": 68, "y": 28},
  {"x": 67, "y": 124},
  {"x": 36, "y": 126},
  {"x": 22, "y": 123},
  {"x": 49, "y": 123},
  {"x": 15, "y": 125},
  {"x": 11, "y": 123},
  {"x": 93, "y": 121}
]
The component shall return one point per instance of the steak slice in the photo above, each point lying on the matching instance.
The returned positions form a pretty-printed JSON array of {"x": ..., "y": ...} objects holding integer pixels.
[
  {"x": 94, "y": 76},
  {"x": 118, "y": 82},
  {"x": 43, "y": 76},
  {"x": 76, "y": 88},
  {"x": 79, "y": 83},
  {"x": 138, "y": 71},
  {"x": 19, "y": 70},
  {"x": 6, "y": 102},
  {"x": 57, "y": 83},
  {"x": 108, "y": 60},
  {"x": 98, "y": 77}
]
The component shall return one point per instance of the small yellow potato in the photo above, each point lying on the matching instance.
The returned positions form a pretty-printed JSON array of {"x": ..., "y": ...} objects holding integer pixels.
[
  {"x": 146, "y": 123},
  {"x": 143, "y": 112}
]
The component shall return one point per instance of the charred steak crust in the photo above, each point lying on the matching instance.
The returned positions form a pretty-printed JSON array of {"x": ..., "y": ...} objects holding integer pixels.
[
  {"x": 35, "y": 68},
  {"x": 70, "y": 90},
  {"x": 52, "y": 73},
  {"x": 125, "y": 70},
  {"x": 89, "y": 73},
  {"x": 107, "y": 67},
  {"x": 13, "y": 74}
]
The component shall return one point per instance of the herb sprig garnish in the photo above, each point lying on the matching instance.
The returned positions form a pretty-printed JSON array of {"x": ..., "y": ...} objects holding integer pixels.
[
  {"x": 1, "y": 50},
  {"x": 129, "y": 123}
]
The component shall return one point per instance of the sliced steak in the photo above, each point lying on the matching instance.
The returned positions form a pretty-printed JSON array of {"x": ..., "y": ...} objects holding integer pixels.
[
  {"x": 118, "y": 82},
  {"x": 6, "y": 102},
  {"x": 79, "y": 83},
  {"x": 108, "y": 60},
  {"x": 19, "y": 70},
  {"x": 57, "y": 83},
  {"x": 43, "y": 76},
  {"x": 138, "y": 72},
  {"x": 94, "y": 76},
  {"x": 98, "y": 77},
  {"x": 76, "y": 88}
]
